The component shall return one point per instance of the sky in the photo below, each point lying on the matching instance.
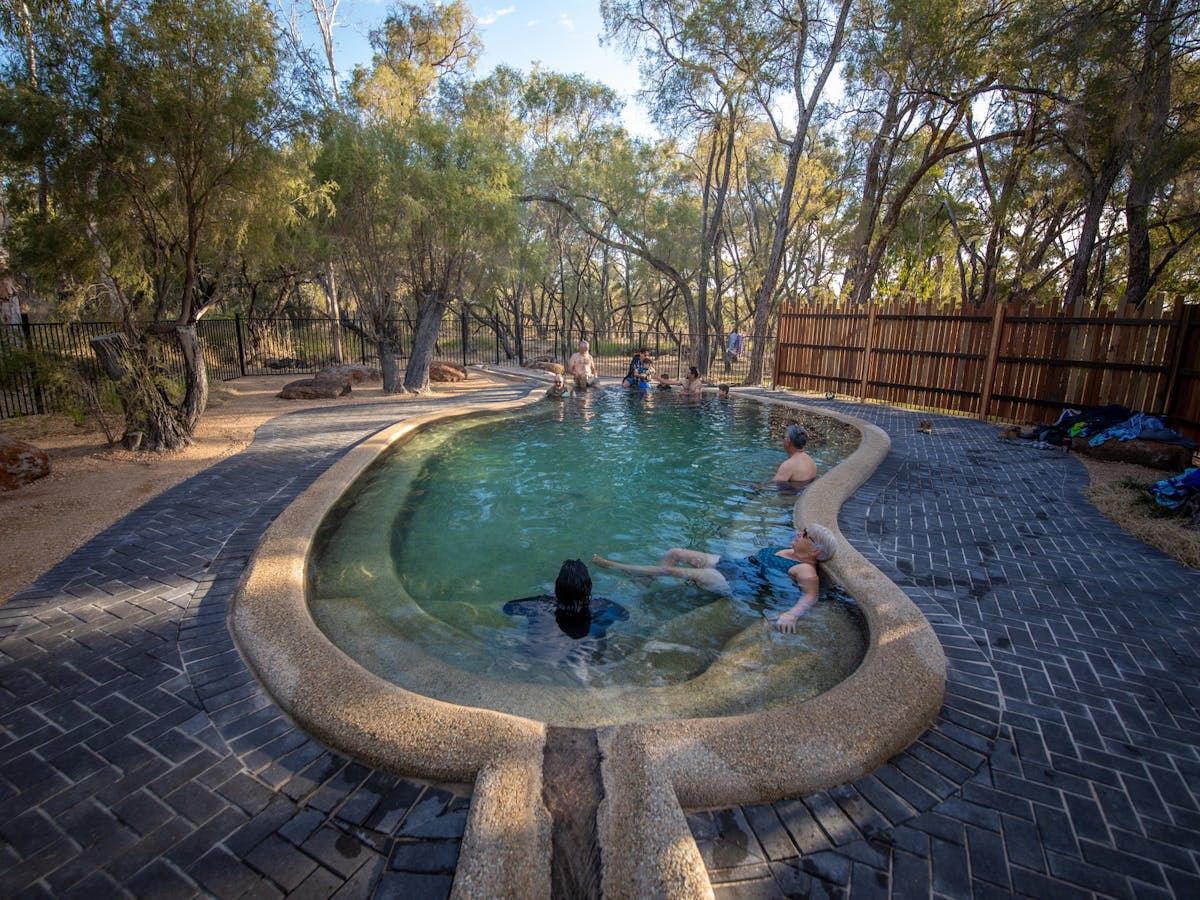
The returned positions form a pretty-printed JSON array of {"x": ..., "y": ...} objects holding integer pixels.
[{"x": 563, "y": 35}]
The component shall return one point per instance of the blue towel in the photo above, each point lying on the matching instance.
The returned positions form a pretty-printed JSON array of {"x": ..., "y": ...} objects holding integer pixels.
[
  {"x": 1174, "y": 492},
  {"x": 1128, "y": 430}
]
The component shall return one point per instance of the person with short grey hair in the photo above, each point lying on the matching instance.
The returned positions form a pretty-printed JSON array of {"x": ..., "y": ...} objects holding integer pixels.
[
  {"x": 811, "y": 545},
  {"x": 799, "y": 466},
  {"x": 582, "y": 368}
]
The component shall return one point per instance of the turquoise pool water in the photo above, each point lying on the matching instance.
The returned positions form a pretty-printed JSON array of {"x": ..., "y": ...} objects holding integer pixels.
[{"x": 416, "y": 562}]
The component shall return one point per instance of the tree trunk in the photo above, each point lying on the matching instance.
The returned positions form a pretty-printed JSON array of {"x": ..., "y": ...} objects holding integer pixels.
[
  {"x": 195, "y": 397},
  {"x": 1089, "y": 230},
  {"x": 429, "y": 323},
  {"x": 387, "y": 365},
  {"x": 335, "y": 315},
  {"x": 151, "y": 421}
]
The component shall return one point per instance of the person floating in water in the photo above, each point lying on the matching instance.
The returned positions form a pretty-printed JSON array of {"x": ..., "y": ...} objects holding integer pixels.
[
  {"x": 576, "y": 613},
  {"x": 811, "y": 545},
  {"x": 799, "y": 466}
]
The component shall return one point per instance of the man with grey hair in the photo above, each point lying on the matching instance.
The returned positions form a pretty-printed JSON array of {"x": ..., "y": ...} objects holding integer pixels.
[
  {"x": 799, "y": 466},
  {"x": 582, "y": 367}
]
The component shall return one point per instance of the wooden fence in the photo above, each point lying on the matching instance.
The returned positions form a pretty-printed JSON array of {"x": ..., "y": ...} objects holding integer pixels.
[{"x": 1002, "y": 363}]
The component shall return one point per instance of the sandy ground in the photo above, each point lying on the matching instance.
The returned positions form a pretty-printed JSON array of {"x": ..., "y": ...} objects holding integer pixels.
[{"x": 92, "y": 485}]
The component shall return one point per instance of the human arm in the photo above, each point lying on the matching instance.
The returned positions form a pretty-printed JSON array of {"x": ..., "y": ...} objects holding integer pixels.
[{"x": 805, "y": 575}]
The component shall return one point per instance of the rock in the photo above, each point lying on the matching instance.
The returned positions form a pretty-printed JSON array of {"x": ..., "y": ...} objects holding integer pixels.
[
  {"x": 1155, "y": 454},
  {"x": 442, "y": 370},
  {"x": 546, "y": 365},
  {"x": 21, "y": 463},
  {"x": 354, "y": 374},
  {"x": 315, "y": 389}
]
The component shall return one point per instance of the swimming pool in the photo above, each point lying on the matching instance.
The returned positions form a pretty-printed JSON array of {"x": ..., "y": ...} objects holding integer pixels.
[{"x": 413, "y": 568}]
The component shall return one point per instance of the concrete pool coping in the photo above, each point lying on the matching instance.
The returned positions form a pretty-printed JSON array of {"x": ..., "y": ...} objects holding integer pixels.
[{"x": 651, "y": 771}]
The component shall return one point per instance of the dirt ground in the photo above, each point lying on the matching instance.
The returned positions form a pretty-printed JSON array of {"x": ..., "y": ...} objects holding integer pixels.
[{"x": 93, "y": 485}]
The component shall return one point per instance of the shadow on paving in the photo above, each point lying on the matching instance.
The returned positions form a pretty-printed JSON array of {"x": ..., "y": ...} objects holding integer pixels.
[{"x": 139, "y": 756}]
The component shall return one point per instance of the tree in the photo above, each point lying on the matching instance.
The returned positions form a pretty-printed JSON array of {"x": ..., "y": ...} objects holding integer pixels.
[{"x": 162, "y": 134}]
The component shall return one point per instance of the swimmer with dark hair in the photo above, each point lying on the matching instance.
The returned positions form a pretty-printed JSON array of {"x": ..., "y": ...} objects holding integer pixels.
[{"x": 576, "y": 612}]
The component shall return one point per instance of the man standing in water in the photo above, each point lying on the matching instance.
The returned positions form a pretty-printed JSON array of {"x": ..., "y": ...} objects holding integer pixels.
[{"x": 799, "y": 466}]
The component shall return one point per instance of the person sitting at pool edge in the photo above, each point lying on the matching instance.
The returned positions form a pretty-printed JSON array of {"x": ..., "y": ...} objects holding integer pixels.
[
  {"x": 558, "y": 390},
  {"x": 798, "y": 466},
  {"x": 810, "y": 545},
  {"x": 582, "y": 368},
  {"x": 639, "y": 371}
]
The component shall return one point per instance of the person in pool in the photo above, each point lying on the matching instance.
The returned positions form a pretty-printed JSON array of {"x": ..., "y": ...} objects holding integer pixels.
[
  {"x": 576, "y": 613},
  {"x": 640, "y": 370},
  {"x": 691, "y": 383},
  {"x": 558, "y": 390},
  {"x": 799, "y": 466},
  {"x": 811, "y": 545},
  {"x": 582, "y": 368}
]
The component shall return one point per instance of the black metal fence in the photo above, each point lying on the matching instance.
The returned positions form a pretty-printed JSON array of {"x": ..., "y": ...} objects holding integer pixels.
[{"x": 44, "y": 366}]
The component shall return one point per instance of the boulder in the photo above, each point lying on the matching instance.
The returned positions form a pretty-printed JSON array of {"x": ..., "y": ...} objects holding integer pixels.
[
  {"x": 546, "y": 365},
  {"x": 21, "y": 463},
  {"x": 443, "y": 370},
  {"x": 1155, "y": 454},
  {"x": 354, "y": 374},
  {"x": 315, "y": 389}
]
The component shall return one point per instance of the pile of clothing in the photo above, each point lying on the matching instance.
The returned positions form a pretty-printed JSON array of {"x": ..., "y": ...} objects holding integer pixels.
[
  {"x": 1105, "y": 423},
  {"x": 1177, "y": 492}
]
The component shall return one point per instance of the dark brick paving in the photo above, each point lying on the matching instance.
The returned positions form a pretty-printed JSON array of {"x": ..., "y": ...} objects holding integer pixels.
[
  {"x": 139, "y": 758},
  {"x": 1066, "y": 762}
]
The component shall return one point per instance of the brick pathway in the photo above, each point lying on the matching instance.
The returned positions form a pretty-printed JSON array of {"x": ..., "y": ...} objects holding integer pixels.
[
  {"x": 139, "y": 758},
  {"x": 1066, "y": 762}
]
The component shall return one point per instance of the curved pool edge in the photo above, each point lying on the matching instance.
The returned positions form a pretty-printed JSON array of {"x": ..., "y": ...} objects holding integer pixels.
[
  {"x": 791, "y": 751},
  {"x": 651, "y": 771},
  {"x": 507, "y": 836}
]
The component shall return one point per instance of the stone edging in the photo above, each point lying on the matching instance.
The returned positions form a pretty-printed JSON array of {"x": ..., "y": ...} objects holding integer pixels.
[{"x": 651, "y": 771}]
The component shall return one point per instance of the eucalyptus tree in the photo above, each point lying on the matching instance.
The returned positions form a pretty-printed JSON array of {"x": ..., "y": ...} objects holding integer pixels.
[
  {"x": 425, "y": 177},
  {"x": 169, "y": 112},
  {"x": 804, "y": 45},
  {"x": 1164, "y": 134},
  {"x": 915, "y": 71},
  {"x": 700, "y": 63}
]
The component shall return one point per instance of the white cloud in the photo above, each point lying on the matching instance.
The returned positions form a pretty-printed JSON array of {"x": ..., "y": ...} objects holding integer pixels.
[
  {"x": 566, "y": 22},
  {"x": 533, "y": 23},
  {"x": 491, "y": 17}
]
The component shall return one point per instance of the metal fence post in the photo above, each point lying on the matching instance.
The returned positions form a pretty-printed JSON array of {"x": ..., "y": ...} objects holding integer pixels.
[
  {"x": 237, "y": 325},
  {"x": 462, "y": 316}
]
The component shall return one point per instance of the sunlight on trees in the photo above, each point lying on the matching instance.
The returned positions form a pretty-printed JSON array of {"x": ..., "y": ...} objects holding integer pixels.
[{"x": 163, "y": 161}]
